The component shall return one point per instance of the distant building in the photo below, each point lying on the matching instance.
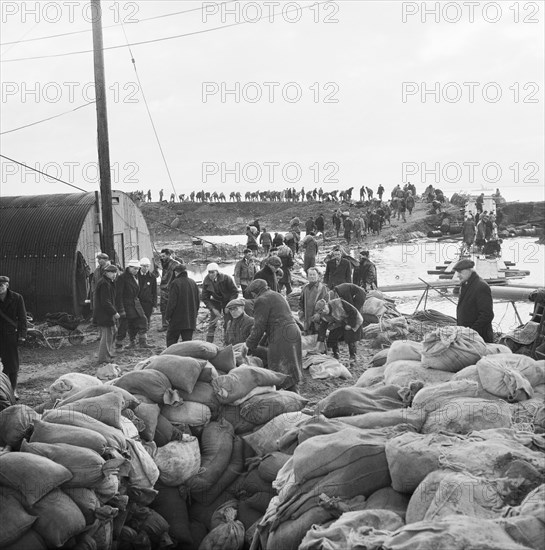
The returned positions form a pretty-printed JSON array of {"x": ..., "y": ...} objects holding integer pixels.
[{"x": 50, "y": 243}]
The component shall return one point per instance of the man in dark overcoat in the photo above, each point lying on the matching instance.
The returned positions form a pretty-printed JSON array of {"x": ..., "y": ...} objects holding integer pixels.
[
  {"x": 105, "y": 314},
  {"x": 132, "y": 317},
  {"x": 475, "y": 307},
  {"x": 239, "y": 324},
  {"x": 147, "y": 280},
  {"x": 13, "y": 328},
  {"x": 182, "y": 307},
  {"x": 337, "y": 270},
  {"x": 365, "y": 275},
  {"x": 272, "y": 316}
]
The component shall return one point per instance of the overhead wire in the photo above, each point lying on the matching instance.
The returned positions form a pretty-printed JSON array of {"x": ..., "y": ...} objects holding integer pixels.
[
  {"x": 48, "y": 118},
  {"x": 149, "y": 112},
  {"x": 107, "y": 26},
  {"x": 165, "y": 38},
  {"x": 43, "y": 173}
]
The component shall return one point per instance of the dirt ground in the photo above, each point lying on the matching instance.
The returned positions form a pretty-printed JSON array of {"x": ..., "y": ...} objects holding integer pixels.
[{"x": 41, "y": 366}]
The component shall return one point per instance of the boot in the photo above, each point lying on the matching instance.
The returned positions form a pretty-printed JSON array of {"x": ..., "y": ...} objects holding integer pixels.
[
  {"x": 143, "y": 342},
  {"x": 335, "y": 350},
  {"x": 131, "y": 344},
  {"x": 352, "y": 350}
]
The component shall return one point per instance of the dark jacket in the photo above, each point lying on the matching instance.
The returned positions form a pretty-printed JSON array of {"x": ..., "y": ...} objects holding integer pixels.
[
  {"x": 265, "y": 239},
  {"x": 475, "y": 307},
  {"x": 238, "y": 330},
  {"x": 127, "y": 301},
  {"x": 310, "y": 225},
  {"x": 183, "y": 303},
  {"x": 13, "y": 307},
  {"x": 105, "y": 298},
  {"x": 268, "y": 274},
  {"x": 351, "y": 293},
  {"x": 320, "y": 223},
  {"x": 342, "y": 314},
  {"x": 272, "y": 316},
  {"x": 244, "y": 272},
  {"x": 286, "y": 256},
  {"x": 148, "y": 291},
  {"x": 167, "y": 274},
  {"x": 217, "y": 294},
  {"x": 337, "y": 274},
  {"x": 365, "y": 275}
]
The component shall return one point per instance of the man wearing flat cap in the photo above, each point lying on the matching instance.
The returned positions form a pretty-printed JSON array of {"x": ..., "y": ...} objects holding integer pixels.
[
  {"x": 245, "y": 270},
  {"x": 168, "y": 263},
  {"x": 475, "y": 308},
  {"x": 218, "y": 289},
  {"x": 182, "y": 306},
  {"x": 13, "y": 327},
  {"x": 239, "y": 324},
  {"x": 105, "y": 314},
  {"x": 103, "y": 262}
]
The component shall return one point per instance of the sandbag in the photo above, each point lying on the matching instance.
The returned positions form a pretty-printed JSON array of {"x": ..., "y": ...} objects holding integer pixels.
[
  {"x": 374, "y": 306},
  {"x": 86, "y": 466},
  {"x": 32, "y": 475},
  {"x": 508, "y": 375},
  {"x": 350, "y": 530},
  {"x": 470, "y": 373},
  {"x": 431, "y": 398},
  {"x": 227, "y": 536},
  {"x": 183, "y": 372},
  {"x": 402, "y": 373},
  {"x": 404, "y": 351},
  {"x": 202, "y": 513},
  {"x": 265, "y": 439},
  {"x": 383, "y": 419},
  {"x": 129, "y": 400},
  {"x": 149, "y": 414},
  {"x": 189, "y": 412},
  {"x": 411, "y": 457},
  {"x": 203, "y": 392},
  {"x": 353, "y": 400},
  {"x": 216, "y": 448},
  {"x": 16, "y": 423},
  {"x": 461, "y": 532},
  {"x": 165, "y": 432},
  {"x": 59, "y": 518},
  {"x": 323, "y": 454},
  {"x": 86, "y": 500},
  {"x": 466, "y": 414},
  {"x": 105, "y": 408},
  {"x": 29, "y": 541},
  {"x": 208, "y": 372},
  {"x": 271, "y": 464},
  {"x": 14, "y": 518},
  {"x": 197, "y": 349},
  {"x": 529, "y": 415},
  {"x": 113, "y": 436},
  {"x": 231, "y": 413},
  {"x": 7, "y": 397},
  {"x": 71, "y": 383},
  {"x": 225, "y": 360},
  {"x": 451, "y": 348},
  {"x": 379, "y": 359},
  {"x": 172, "y": 506},
  {"x": 153, "y": 384},
  {"x": 241, "y": 380},
  {"x": 143, "y": 470},
  {"x": 46, "y": 432},
  {"x": 178, "y": 461},
  {"x": 262, "y": 408},
  {"x": 371, "y": 377},
  {"x": 388, "y": 499},
  {"x": 445, "y": 492},
  {"x": 493, "y": 349}
]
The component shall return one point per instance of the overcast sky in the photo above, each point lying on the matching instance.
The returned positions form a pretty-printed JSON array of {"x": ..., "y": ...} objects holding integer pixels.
[{"x": 323, "y": 95}]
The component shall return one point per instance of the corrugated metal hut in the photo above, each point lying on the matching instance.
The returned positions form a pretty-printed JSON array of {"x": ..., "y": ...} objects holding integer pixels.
[{"x": 49, "y": 245}]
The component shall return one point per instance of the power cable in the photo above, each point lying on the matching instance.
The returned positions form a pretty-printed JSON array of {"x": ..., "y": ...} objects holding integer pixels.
[
  {"x": 46, "y": 119},
  {"x": 174, "y": 37},
  {"x": 106, "y": 26},
  {"x": 149, "y": 112},
  {"x": 43, "y": 173}
]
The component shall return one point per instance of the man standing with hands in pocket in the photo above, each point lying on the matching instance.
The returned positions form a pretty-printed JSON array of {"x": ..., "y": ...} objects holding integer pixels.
[
  {"x": 105, "y": 314},
  {"x": 13, "y": 327}
]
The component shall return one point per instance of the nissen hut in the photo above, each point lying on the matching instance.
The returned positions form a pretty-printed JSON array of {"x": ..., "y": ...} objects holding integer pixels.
[{"x": 49, "y": 245}]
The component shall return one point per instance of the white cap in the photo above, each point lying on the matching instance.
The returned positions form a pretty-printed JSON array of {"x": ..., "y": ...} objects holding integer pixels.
[
  {"x": 145, "y": 261},
  {"x": 133, "y": 263},
  {"x": 212, "y": 267}
]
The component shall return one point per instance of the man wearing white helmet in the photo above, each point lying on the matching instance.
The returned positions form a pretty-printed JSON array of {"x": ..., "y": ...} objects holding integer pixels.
[
  {"x": 148, "y": 288},
  {"x": 132, "y": 317},
  {"x": 218, "y": 289}
]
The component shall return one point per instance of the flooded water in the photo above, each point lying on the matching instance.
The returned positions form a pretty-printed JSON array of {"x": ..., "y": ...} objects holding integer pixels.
[{"x": 408, "y": 262}]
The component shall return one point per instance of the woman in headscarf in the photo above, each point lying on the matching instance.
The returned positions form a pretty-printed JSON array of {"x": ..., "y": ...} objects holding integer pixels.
[{"x": 272, "y": 316}]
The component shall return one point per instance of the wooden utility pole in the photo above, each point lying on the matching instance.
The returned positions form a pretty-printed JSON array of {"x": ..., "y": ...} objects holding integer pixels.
[{"x": 102, "y": 133}]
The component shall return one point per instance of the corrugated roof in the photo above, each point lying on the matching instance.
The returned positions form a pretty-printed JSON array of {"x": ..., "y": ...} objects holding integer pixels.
[{"x": 39, "y": 235}]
